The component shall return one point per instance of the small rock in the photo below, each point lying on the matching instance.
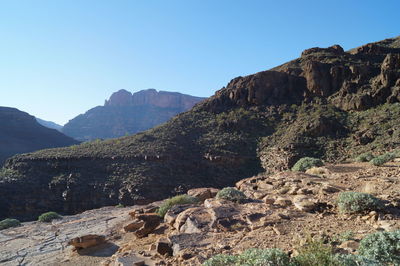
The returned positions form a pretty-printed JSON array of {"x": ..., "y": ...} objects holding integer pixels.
[
  {"x": 268, "y": 200},
  {"x": 283, "y": 190},
  {"x": 326, "y": 188},
  {"x": 131, "y": 260},
  {"x": 284, "y": 202},
  {"x": 304, "y": 203},
  {"x": 350, "y": 245},
  {"x": 278, "y": 231},
  {"x": 259, "y": 194},
  {"x": 264, "y": 186},
  {"x": 304, "y": 191},
  {"x": 293, "y": 190}
]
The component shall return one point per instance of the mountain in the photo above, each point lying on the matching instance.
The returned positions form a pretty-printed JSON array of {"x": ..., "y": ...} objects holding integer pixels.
[
  {"x": 49, "y": 124},
  {"x": 126, "y": 113},
  {"x": 327, "y": 103},
  {"x": 21, "y": 133}
]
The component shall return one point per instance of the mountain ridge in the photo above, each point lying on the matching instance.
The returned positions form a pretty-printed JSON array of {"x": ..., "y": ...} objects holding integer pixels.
[{"x": 126, "y": 113}]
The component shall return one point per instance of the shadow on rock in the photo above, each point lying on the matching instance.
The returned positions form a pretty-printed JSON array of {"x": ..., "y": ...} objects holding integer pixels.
[{"x": 103, "y": 250}]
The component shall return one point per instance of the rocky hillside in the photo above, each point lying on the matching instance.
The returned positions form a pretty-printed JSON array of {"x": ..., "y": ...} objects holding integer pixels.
[
  {"x": 21, "y": 133},
  {"x": 126, "y": 113},
  {"x": 328, "y": 103}
]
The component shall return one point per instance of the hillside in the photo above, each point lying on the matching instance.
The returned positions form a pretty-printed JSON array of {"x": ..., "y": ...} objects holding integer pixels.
[
  {"x": 21, "y": 133},
  {"x": 126, "y": 113},
  {"x": 328, "y": 103}
]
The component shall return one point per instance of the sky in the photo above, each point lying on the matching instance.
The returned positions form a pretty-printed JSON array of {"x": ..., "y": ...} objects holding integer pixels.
[{"x": 60, "y": 58}]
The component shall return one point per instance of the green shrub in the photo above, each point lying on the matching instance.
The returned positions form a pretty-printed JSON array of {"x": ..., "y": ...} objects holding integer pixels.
[
  {"x": 355, "y": 260},
  {"x": 262, "y": 257},
  {"x": 315, "y": 253},
  {"x": 383, "y": 247},
  {"x": 251, "y": 257},
  {"x": 48, "y": 217},
  {"x": 177, "y": 200},
  {"x": 221, "y": 260},
  {"x": 343, "y": 237},
  {"x": 7, "y": 223},
  {"x": 232, "y": 194},
  {"x": 306, "y": 163},
  {"x": 120, "y": 205},
  {"x": 382, "y": 159},
  {"x": 365, "y": 157},
  {"x": 357, "y": 202}
]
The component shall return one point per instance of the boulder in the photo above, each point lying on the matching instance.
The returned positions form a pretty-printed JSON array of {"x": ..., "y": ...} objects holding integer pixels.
[
  {"x": 87, "y": 241},
  {"x": 203, "y": 193},
  {"x": 133, "y": 226},
  {"x": 164, "y": 247},
  {"x": 150, "y": 222},
  {"x": 194, "y": 220},
  {"x": 174, "y": 211}
]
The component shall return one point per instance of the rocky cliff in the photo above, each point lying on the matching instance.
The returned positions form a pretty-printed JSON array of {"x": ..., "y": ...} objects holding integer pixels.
[
  {"x": 21, "y": 133},
  {"x": 126, "y": 113},
  {"x": 328, "y": 103}
]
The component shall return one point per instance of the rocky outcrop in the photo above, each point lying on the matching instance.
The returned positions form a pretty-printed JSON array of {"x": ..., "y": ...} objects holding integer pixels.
[
  {"x": 21, "y": 133},
  {"x": 126, "y": 113},
  {"x": 163, "y": 99}
]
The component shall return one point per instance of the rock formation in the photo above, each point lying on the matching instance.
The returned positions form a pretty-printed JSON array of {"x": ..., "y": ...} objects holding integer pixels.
[{"x": 126, "y": 113}]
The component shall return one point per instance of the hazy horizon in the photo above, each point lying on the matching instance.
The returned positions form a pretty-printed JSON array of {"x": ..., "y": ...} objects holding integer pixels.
[{"x": 60, "y": 58}]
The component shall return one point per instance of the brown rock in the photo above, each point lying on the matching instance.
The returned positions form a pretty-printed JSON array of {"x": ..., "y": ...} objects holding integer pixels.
[
  {"x": 304, "y": 203},
  {"x": 164, "y": 247},
  {"x": 151, "y": 221},
  {"x": 268, "y": 200},
  {"x": 203, "y": 193},
  {"x": 172, "y": 213},
  {"x": 87, "y": 241},
  {"x": 133, "y": 226},
  {"x": 194, "y": 220},
  {"x": 350, "y": 245}
]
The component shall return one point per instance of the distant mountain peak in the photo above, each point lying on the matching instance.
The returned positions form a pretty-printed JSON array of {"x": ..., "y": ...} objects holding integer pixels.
[
  {"x": 128, "y": 113},
  {"x": 152, "y": 97},
  {"x": 121, "y": 97}
]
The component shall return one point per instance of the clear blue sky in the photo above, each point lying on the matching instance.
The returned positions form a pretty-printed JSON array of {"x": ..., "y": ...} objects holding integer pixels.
[{"x": 60, "y": 58}]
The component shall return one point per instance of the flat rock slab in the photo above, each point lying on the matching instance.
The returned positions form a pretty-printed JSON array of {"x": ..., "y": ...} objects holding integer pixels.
[{"x": 36, "y": 243}]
